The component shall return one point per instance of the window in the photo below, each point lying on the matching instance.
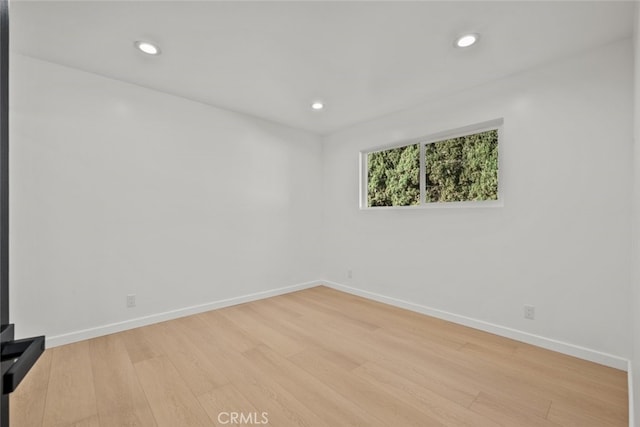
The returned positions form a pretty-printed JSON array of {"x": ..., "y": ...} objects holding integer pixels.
[{"x": 459, "y": 166}]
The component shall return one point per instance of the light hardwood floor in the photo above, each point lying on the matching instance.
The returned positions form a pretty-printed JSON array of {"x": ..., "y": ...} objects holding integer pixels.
[{"x": 317, "y": 357}]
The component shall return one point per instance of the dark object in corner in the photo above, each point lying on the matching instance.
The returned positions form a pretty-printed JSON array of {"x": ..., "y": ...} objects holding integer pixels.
[{"x": 18, "y": 356}]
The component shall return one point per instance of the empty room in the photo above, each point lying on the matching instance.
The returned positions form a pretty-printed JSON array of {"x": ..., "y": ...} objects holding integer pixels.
[{"x": 319, "y": 213}]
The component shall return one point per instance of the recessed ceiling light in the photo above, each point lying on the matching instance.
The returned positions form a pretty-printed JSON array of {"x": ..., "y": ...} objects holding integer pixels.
[
  {"x": 148, "y": 48},
  {"x": 467, "y": 40},
  {"x": 317, "y": 105}
]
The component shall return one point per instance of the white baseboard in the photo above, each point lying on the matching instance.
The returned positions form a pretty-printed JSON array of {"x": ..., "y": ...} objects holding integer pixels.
[
  {"x": 548, "y": 343},
  {"x": 551, "y": 344},
  {"x": 111, "y": 328}
]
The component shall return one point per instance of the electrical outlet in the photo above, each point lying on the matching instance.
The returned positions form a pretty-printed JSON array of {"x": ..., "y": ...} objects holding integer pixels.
[
  {"x": 131, "y": 300},
  {"x": 529, "y": 312},
  {"x": 349, "y": 274}
]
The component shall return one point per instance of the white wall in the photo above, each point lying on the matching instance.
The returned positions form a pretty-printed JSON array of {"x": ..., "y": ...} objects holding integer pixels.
[
  {"x": 635, "y": 282},
  {"x": 117, "y": 189},
  {"x": 561, "y": 241}
]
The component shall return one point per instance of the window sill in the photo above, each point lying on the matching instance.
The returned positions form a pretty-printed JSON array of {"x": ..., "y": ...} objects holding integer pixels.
[{"x": 442, "y": 205}]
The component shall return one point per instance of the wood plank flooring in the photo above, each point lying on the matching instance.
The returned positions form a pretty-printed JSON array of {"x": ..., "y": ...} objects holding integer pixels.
[{"x": 317, "y": 357}]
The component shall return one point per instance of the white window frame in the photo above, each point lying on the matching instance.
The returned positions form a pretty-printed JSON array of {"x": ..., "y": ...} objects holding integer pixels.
[{"x": 496, "y": 124}]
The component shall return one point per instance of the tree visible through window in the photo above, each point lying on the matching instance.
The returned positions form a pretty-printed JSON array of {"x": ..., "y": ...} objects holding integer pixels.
[
  {"x": 458, "y": 169},
  {"x": 462, "y": 169},
  {"x": 394, "y": 177}
]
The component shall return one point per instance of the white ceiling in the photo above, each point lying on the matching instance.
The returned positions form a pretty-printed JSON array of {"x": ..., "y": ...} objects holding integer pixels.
[{"x": 272, "y": 59}]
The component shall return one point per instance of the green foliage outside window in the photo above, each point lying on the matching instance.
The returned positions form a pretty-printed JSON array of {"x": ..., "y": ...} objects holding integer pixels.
[
  {"x": 462, "y": 169},
  {"x": 394, "y": 177},
  {"x": 456, "y": 169}
]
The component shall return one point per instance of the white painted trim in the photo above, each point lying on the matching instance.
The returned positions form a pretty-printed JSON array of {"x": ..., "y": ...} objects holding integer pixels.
[
  {"x": 473, "y": 204},
  {"x": 630, "y": 393},
  {"x": 440, "y": 135},
  {"x": 111, "y": 328},
  {"x": 537, "y": 340},
  {"x": 548, "y": 343}
]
